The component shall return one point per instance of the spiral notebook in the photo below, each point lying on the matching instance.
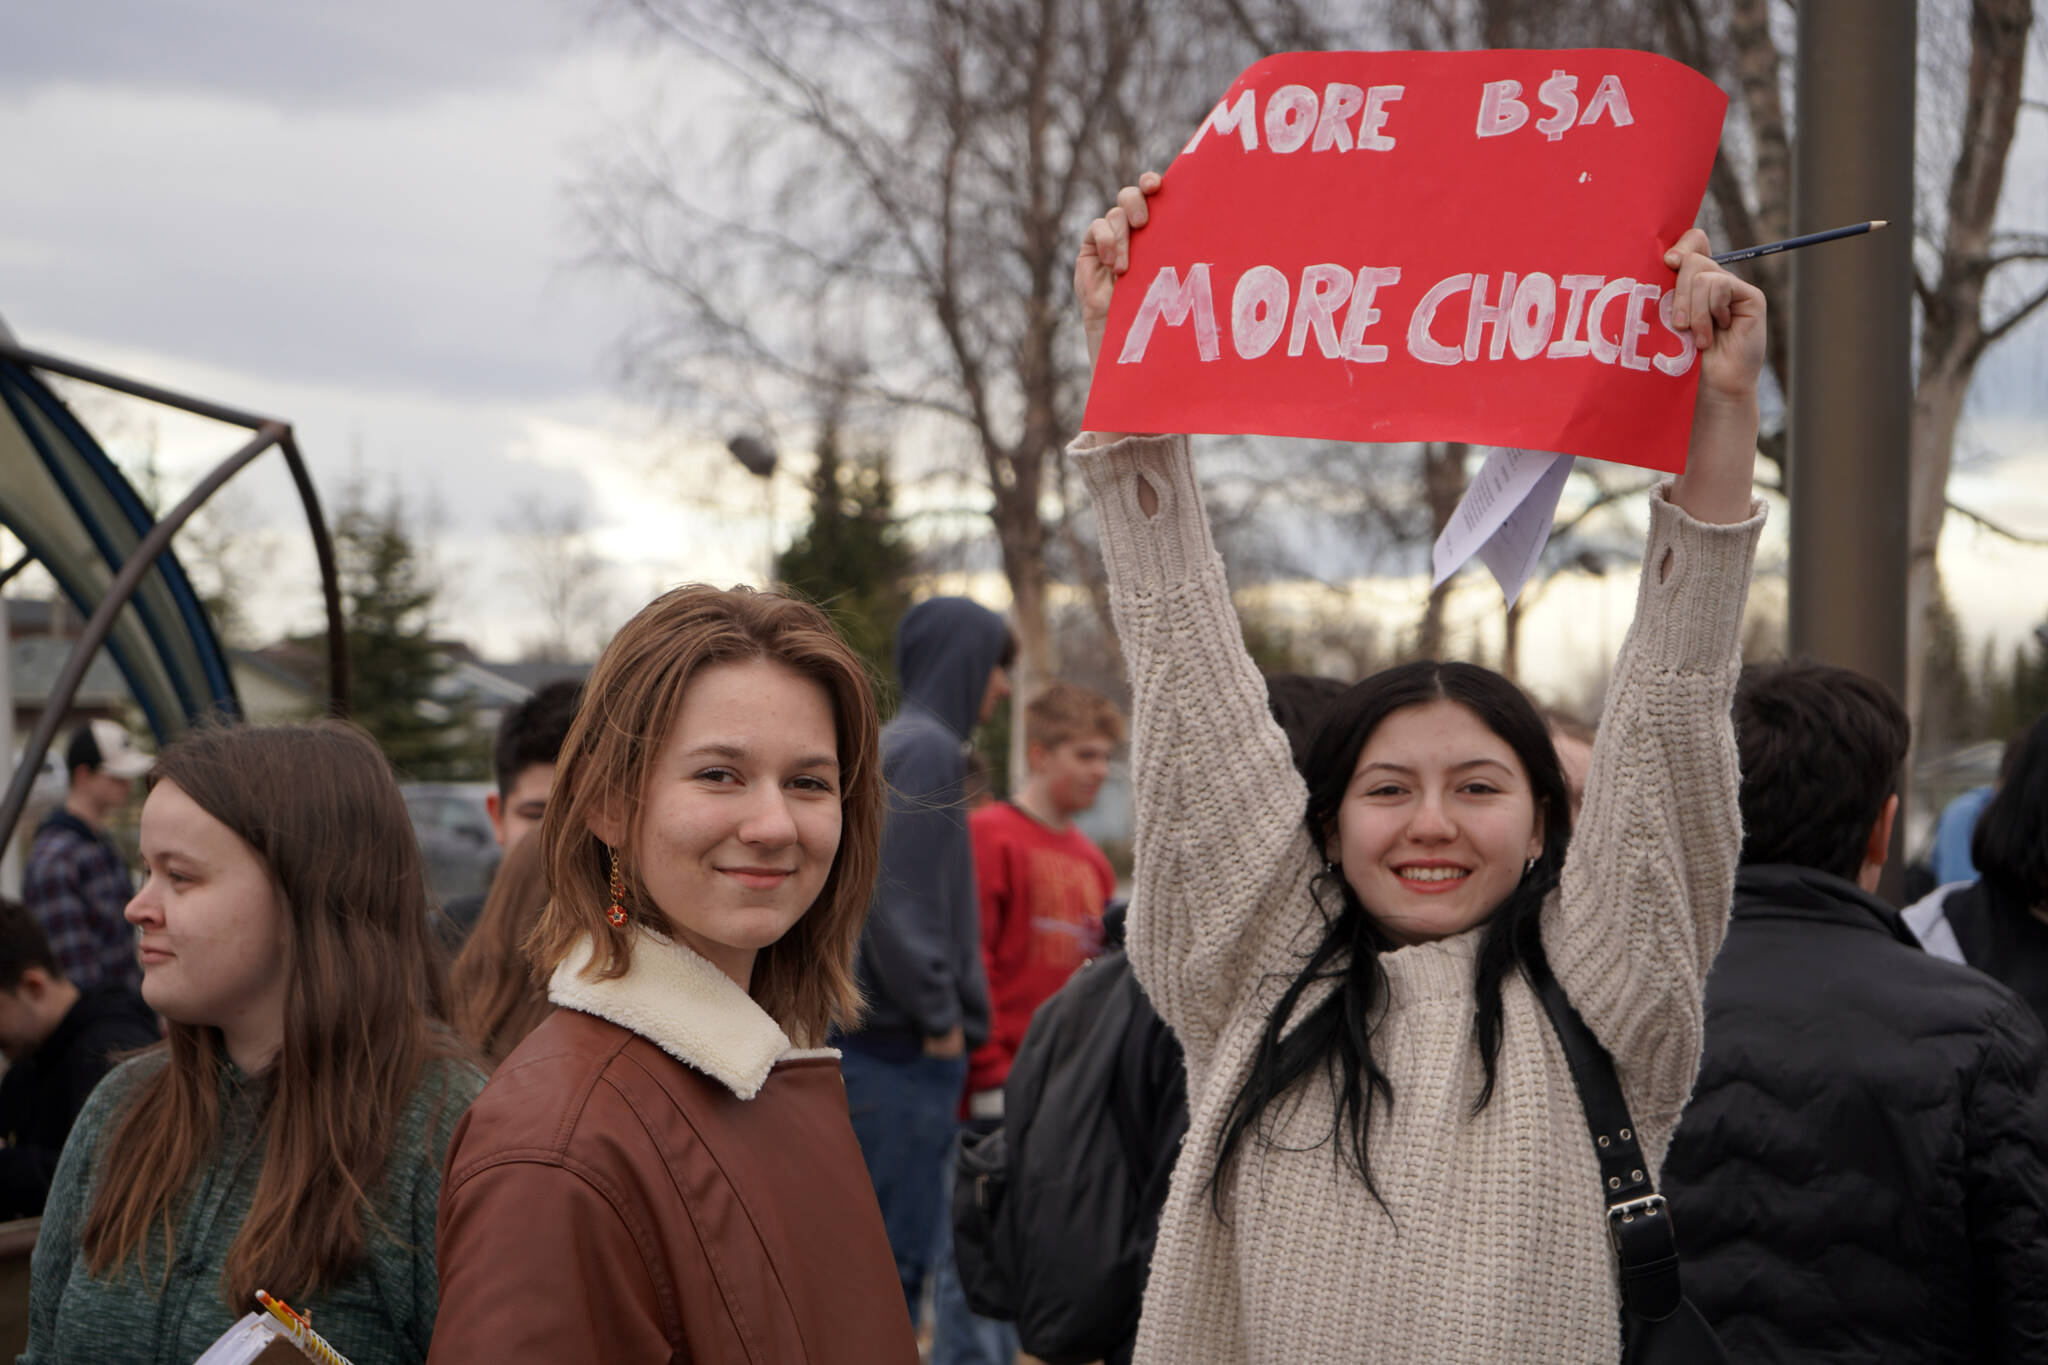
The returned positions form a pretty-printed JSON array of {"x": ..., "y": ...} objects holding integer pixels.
[
  {"x": 273, "y": 1335},
  {"x": 257, "y": 1339}
]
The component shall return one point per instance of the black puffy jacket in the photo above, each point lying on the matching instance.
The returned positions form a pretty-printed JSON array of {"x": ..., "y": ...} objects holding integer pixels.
[{"x": 1862, "y": 1174}]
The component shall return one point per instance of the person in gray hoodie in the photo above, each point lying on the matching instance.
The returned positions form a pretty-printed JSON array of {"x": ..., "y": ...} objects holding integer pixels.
[{"x": 920, "y": 954}]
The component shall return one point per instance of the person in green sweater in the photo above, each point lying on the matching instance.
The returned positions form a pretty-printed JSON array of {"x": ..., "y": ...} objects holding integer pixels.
[{"x": 288, "y": 1133}]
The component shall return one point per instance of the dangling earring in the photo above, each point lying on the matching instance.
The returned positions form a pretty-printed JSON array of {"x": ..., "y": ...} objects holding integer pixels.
[{"x": 617, "y": 914}]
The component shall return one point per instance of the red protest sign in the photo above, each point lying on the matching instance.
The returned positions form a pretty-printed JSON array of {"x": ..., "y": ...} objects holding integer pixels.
[{"x": 1394, "y": 246}]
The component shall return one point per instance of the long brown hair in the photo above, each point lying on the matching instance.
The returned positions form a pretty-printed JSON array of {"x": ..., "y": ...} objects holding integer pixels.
[
  {"x": 494, "y": 999},
  {"x": 318, "y": 805},
  {"x": 804, "y": 980}
]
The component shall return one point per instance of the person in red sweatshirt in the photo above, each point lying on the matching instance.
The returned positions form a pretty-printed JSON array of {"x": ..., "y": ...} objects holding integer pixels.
[{"x": 1043, "y": 882}]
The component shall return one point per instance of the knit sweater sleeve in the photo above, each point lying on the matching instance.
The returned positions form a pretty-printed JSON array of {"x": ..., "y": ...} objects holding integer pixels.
[
  {"x": 1646, "y": 887},
  {"x": 1222, "y": 857}
]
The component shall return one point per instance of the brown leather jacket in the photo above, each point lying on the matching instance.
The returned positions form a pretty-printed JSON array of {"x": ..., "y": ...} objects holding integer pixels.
[{"x": 605, "y": 1202}]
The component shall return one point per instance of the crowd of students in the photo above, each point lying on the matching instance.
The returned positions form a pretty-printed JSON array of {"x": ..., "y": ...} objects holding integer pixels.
[{"x": 1437, "y": 1007}]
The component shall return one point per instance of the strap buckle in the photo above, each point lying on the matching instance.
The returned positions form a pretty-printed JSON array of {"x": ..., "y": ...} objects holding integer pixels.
[{"x": 1620, "y": 1216}]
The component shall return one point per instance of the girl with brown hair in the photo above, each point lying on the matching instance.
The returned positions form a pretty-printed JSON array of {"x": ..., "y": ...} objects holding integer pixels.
[
  {"x": 288, "y": 1133},
  {"x": 494, "y": 1001},
  {"x": 665, "y": 1168}
]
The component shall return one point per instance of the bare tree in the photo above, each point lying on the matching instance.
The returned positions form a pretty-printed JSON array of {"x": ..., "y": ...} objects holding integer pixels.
[
  {"x": 905, "y": 189},
  {"x": 1976, "y": 279}
]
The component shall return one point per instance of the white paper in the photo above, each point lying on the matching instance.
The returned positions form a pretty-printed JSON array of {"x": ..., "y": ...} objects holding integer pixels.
[
  {"x": 1504, "y": 517},
  {"x": 243, "y": 1342}
]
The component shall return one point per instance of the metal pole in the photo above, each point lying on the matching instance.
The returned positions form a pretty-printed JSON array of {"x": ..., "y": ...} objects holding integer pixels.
[
  {"x": 330, "y": 578},
  {"x": 139, "y": 563},
  {"x": 10, "y": 860},
  {"x": 323, "y": 544},
  {"x": 1852, "y": 326}
]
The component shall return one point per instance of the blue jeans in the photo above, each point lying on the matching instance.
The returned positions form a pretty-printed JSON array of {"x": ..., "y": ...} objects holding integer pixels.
[
  {"x": 906, "y": 1115},
  {"x": 958, "y": 1336}
]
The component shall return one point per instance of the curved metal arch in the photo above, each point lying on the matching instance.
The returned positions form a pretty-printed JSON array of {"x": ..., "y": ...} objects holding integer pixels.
[{"x": 153, "y": 545}]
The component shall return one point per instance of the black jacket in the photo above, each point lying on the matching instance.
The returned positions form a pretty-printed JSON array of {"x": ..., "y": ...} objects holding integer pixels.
[
  {"x": 1862, "y": 1174},
  {"x": 2003, "y": 940},
  {"x": 1094, "y": 1111},
  {"x": 42, "y": 1093}
]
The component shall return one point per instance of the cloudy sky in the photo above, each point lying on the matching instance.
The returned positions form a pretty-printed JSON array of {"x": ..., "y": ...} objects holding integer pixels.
[{"x": 355, "y": 217}]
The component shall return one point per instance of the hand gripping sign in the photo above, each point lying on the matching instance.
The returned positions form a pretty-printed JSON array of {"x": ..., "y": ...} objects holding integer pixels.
[{"x": 1408, "y": 246}]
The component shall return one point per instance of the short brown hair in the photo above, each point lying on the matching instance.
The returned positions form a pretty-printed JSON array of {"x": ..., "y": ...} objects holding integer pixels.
[
  {"x": 1065, "y": 711},
  {"x": 805, "y": 980}
]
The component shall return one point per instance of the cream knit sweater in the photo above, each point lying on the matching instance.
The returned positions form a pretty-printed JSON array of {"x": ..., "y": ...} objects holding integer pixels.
[{"x": 1494, "y": 1244}]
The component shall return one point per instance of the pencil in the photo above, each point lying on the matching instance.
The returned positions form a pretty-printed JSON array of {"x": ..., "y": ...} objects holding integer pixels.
[
  {"x": 1749, "y": 253},
  {"x": 301, "y": 1331}
]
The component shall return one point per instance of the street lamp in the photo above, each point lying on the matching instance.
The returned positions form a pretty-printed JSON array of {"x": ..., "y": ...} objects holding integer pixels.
[{"x": 757, "y": 457}]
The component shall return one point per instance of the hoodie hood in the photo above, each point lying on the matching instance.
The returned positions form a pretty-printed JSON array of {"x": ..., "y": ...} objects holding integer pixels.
[{"x": 946, "y": 647}]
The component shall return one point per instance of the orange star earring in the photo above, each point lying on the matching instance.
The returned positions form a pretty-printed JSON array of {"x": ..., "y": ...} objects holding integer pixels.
[{"x": 617, "y": 914}]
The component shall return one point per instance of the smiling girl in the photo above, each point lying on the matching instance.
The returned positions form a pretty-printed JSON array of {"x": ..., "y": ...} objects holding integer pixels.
[
  {"x": 665, "y": 1168},
  {"x": 1387, "y": 1159},
  {"x": 288, "y": 1134}
]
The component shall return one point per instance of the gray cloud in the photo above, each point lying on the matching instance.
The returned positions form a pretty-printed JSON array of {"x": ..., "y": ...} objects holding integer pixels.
[{"x": 288, "y": 54}]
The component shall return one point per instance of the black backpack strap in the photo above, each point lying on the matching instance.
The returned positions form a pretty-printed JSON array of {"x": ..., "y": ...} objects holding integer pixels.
[{"x": 1638, "y": 1220}]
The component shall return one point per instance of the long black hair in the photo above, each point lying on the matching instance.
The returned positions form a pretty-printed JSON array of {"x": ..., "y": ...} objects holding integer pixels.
[
  {"x": 1335, "y": 1038},
  {"x": 2010, "y": 846}
]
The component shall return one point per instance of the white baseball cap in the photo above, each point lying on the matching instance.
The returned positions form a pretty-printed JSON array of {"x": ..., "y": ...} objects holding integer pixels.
[{"x": 106, "y": 747}]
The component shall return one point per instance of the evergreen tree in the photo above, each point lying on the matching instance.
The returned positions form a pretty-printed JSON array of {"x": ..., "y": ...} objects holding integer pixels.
[
  {"x": 852, "y": 559},
  {"x": 396, "y": 670},
  {"x": 1951, "y": 710},
  {"x": 2020, "y": 696}
]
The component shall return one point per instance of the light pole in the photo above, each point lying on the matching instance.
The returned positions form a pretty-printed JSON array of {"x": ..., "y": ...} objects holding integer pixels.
[
  {"x": 1848, "y": 469},
  {"x": 757, "y": 457}
]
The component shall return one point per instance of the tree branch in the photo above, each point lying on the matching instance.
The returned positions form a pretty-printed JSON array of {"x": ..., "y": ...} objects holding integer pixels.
[
  {"x": 1993, "y": 334},
  {"x": 2006, "y": 532}
]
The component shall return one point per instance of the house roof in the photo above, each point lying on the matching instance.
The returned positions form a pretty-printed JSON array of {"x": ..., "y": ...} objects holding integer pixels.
[
  {"x": 34, "y": 661},
  {"x": 534, "y": 674}
]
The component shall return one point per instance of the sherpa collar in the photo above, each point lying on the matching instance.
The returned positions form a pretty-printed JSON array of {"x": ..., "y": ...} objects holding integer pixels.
[{"x": 685, "y": 1006}]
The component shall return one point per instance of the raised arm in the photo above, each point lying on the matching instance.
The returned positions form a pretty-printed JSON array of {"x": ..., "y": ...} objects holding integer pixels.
[
  {"x": 1222, "y": 859},
  {"x": 1646, "y": 887}
]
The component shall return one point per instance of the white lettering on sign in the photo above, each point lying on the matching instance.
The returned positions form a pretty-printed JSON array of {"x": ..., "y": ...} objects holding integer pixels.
[
  {"x": 1370, "y": 138},
  {"x": 1560, "y": 94},
  {"x": 1421, "y": 344},
  {"x": 1258, "y": 311},
  {"x": 1340, "y": 102},
  {"x": 1534, "y": 313},
  {"x": 1323, "y": 291},
  {"x": 1634, "y": 326},
  {"x": 1569, "y": 344},
  {"x": 1605, "y": 351},
  {"x": 1480, "y": 314},
  {"x": 1502, "y": 110},
  {"x": 1290, "y": 118},
  {"x": 1362, "y": 314},
  {"x": 1230, "y": 116},
  {"x": 1675, "y": 365},
  {"x": 1176, "y": 303},
  {"x": 1296, "y": 117},
  {"x": 1610, "y": 99},
  {"x": 1521, "y": 316}
]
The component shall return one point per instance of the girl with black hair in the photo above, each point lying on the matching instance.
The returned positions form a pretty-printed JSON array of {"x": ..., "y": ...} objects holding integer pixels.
[{"x": 1387, "y": 1159}]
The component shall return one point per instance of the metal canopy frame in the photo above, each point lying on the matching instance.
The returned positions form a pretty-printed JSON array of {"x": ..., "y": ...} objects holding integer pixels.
[{"x": 268, "y": 432}]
